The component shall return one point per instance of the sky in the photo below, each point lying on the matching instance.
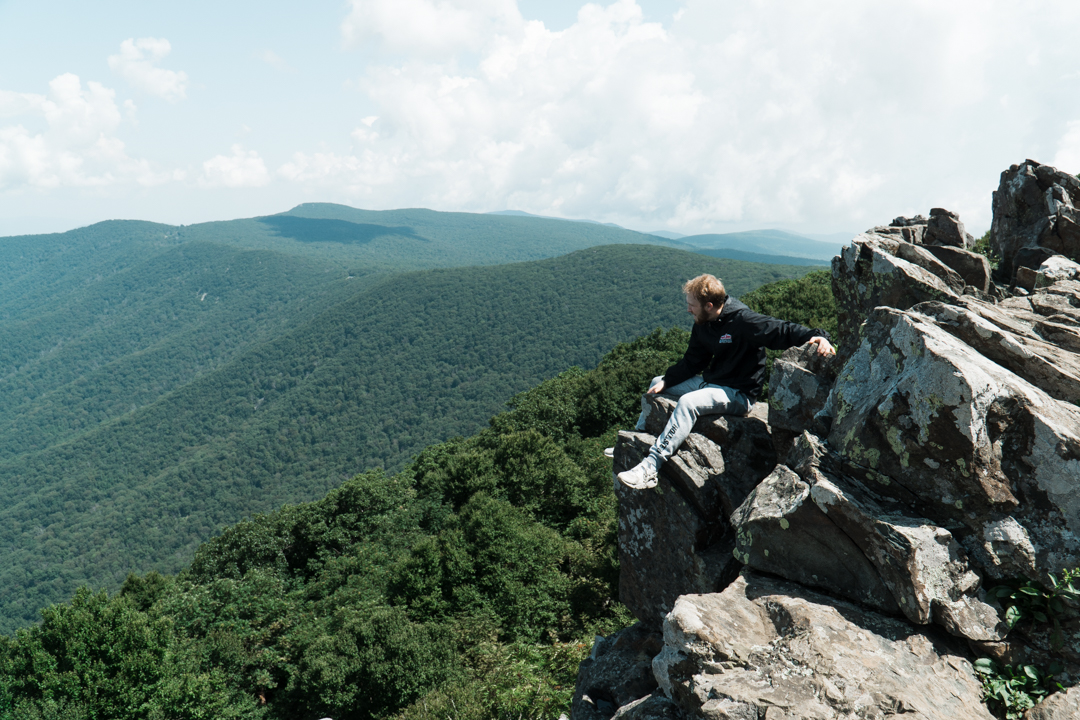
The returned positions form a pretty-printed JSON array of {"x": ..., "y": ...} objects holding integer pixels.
[{"x": 683, "y": 115}]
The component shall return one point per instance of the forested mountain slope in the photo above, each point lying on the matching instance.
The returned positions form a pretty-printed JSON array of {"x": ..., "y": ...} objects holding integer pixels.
[
  {"x": 99, "y": 321},
  {"x": 469, "y": 585},
  {"x": 408, "y": 361},
  {"x": 93, "y": 351}
]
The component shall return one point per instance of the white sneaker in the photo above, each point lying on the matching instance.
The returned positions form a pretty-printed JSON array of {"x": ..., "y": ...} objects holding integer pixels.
[
  {"x": 609, "y": 452},
  {"x": 640, "y": 477}
]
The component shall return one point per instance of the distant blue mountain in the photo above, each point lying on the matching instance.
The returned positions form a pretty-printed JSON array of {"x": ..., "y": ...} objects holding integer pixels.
[
  {"x": 667, "y": 234},
  {"x": 766, "y": 242},
  {"x": 732, "y": 254},
  {"x": 521, "y": 213},
  {"x": 838, "y": 237}
]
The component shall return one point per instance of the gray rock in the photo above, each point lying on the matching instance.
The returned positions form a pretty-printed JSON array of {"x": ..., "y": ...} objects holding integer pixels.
[
  {"x": 1065, "y": 237},
  {"x": 617, "y": 673},
  {"x": 972, "y": 267},
  {"x": 827, "y": 531},
  {"x": 1055, "y": 269},
  {"x": 911, "y": 230},
  {"x": 1005, "y": 549},
  {"x": 1026, "y": 278},
  {"x": 1065, "y": 335},
  {"x": 920, "y": 563},
  {"x": 945, "y": 229},
  {"x": 766, "y": 646},
  {"x": 673, "y": 539},
  {"x": 1034, "y": 206},
  {"x": 1059, "y": 706},
  {"x": 780, "y": 530},
  {"x": 909, "y": 222},
  {"x": 970, "y": 617},
  {"x": 653, "y": 707},
  {"x": 1054, "y": 370},
  {"x": 925, "y": 419},
  {"x": 867, "y": 275},
  {"x": 922, "y": 257},
  {"x": 799, "y": 388}
]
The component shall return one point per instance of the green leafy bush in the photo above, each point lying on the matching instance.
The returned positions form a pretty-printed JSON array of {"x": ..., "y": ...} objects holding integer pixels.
[
  {"x": 983, "y": 247},
  {"x": 1009, "y": 691},
  {"x": 1030, "y": 600}
]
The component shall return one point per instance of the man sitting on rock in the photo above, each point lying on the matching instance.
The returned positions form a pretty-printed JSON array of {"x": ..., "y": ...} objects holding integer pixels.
[{"x": 727, "y": 347}]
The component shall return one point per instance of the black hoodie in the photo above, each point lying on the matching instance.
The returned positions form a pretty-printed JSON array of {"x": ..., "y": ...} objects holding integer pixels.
[{"x": 730, "y": 350}]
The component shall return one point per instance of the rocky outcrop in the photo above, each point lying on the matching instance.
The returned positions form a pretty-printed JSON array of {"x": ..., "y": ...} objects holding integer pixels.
[
  {"x": 677, "y": 539},
  {"x": 1035, "y": 209},
  {"x": 832, "y": 557},
  {"x": 767, "y": 648},
  {"x": 877, "y": 271},
  {"x": 617, "y": 673}
]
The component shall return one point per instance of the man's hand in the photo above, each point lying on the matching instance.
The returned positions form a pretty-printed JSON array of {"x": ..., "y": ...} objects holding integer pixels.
[
  {"x": 824, "y": 347},
  {"x": 656, "y": 389}
]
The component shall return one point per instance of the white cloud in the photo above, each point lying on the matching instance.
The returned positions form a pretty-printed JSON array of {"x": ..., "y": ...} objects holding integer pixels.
[
  {"x": 137, "y": 63},
  {"x": 244, "y": 168},
  {"x": 78, "y": 145},
  {"x": 1067, "y": 157},
  {"x": 13, "y": 103},
  {"x": 275, "y": 61},
  {"x": 827, "y": 115},
  {"x": 429, "y": 28}
]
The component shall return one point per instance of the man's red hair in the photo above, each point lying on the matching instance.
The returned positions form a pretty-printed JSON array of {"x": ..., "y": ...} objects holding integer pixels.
[{"x": 707, "y": 289}]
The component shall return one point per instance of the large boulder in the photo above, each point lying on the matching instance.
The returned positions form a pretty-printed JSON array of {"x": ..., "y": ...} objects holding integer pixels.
[
  {"x": 925, "y": 419},
  {"x": 799, "y": 388},
  {"x": 1045, "y": 365},
  {"x": 973, "y": 267},
  {"x": 813, "y": 525},
  {"x": 674, "y": 538},
  {"x": 780, "y": 530},
  {"x": 1035, "y": 206},
  {"x": 617, "y": 673},
  {"x": 869, "y": 273},
  {"x": 944, "y": 229},
  {"x": 767, "y": 648}
]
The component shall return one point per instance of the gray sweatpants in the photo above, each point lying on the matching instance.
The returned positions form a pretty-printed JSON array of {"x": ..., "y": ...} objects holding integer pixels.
[{"x": 696, "y": 397}]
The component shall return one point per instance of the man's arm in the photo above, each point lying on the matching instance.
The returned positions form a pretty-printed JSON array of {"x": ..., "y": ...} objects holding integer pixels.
[{"x": 776, "y": 334}]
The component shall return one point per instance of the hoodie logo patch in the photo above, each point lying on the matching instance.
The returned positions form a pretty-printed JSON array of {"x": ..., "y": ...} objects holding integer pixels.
[{"x": 725, "y": 338}]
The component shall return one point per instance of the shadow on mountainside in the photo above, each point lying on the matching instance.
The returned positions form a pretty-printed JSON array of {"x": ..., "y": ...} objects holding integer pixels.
[{"x": 311, "y": 230}]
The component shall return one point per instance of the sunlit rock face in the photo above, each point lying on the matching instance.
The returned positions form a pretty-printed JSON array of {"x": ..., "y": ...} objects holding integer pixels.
[
  {"x": 830, "y": 556},
  {"x": 765, "y": 645}
]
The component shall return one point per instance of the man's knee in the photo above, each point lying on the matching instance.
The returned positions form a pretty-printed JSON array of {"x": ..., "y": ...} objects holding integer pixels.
[{"x": 687, "y": 405}]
